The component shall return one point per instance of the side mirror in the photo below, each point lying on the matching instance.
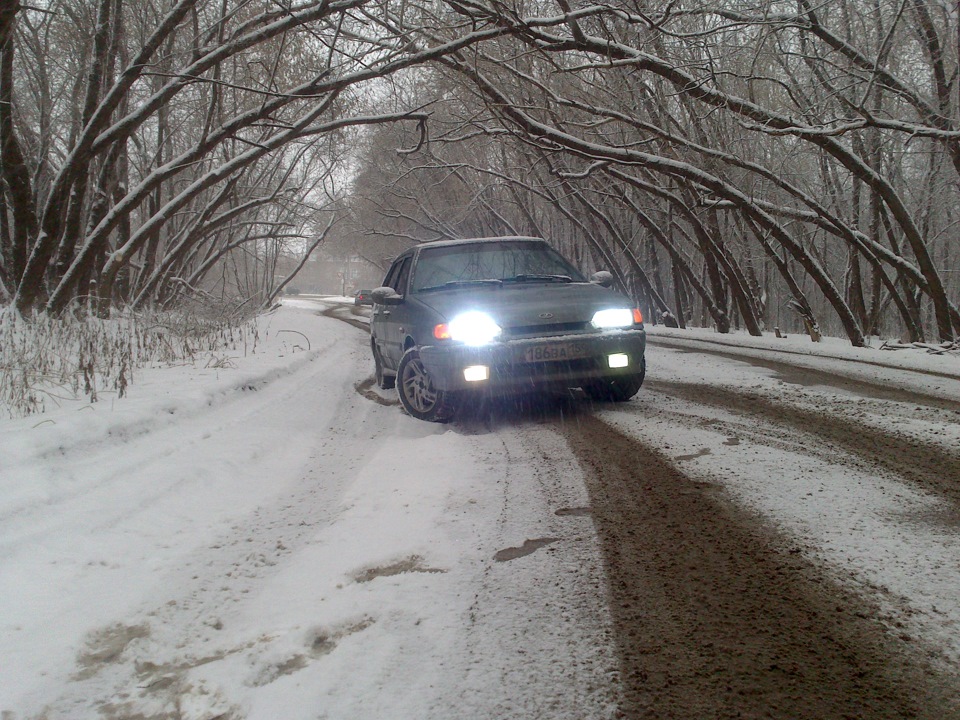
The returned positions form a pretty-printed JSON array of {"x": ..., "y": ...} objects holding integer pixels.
[
  {"x": 386, "y": 296},
  {"x": 602, "y": 278}
]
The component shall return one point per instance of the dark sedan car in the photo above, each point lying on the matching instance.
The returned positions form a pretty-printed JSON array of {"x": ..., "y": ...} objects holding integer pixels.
[
  {"x": 363, "y": 297},
  {"x": 500, "y": 314}
]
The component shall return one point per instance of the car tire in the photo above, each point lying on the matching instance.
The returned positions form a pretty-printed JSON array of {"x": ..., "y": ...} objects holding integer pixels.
[
  {"x": 616, "y": 389},
  {"x": 384, "y": 381},
  {"x": 418, "y": 396}
]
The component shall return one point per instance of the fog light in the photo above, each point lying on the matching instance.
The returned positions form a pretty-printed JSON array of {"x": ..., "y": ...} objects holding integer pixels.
[
  {"x": 618, "y": 360},
  {"x": 476, "y": 373}
]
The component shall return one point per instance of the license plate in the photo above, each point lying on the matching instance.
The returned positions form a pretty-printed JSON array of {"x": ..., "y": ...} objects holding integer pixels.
[{"x": 555, "y": 352}]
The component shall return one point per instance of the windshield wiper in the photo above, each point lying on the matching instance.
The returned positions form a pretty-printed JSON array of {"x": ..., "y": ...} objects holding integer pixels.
[
  {"x": 534, "y": 277},
  {"x": 461, "y": 283}
]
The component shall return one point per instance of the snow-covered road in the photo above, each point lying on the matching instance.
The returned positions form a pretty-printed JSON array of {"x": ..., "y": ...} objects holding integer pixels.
[
  {"x": 265, "y": 542},
  {"x": 274, "y": 538}
]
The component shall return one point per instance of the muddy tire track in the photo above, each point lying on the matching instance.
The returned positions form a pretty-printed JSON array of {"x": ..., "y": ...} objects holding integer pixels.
[
  {"x": 797, "y": 372},
  {"x": 928, "y": 466},
  {"x": 337, "y": 313},
  {"x": 717, "y": 616}
]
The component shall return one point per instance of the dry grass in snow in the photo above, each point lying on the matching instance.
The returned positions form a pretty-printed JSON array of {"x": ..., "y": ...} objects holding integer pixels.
[{"x": 45, "y": 360}]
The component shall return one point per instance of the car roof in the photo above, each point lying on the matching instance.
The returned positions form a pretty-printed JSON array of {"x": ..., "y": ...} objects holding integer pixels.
[{"x": 469, "y": 241}]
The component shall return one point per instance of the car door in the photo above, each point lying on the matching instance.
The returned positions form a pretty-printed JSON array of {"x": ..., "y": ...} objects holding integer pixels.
[{"x": 388, "y": 321}]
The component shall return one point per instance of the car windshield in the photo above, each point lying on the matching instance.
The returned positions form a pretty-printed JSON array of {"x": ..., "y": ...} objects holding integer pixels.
[{"x": 492, "y": 264}]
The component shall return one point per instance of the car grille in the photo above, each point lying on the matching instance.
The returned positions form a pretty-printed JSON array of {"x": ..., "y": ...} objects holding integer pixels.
[
  {"x": 554, "y": 368},
  {"x": 546, "y": 371},
  {"x": 527, "y": 331}
]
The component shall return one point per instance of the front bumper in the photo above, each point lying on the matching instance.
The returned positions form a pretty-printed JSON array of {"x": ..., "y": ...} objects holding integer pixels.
[{"x": 510, "y": 365}]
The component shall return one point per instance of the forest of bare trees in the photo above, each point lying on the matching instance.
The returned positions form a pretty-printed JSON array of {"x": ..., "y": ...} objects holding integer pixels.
[{"x": 735, "y": 164}]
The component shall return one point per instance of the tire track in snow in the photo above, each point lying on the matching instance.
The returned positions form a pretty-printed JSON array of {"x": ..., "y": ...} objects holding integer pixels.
[
  {"x": 718, "y": 615},
  {"x": 138, "y": 663},
  {"x": 928, "y": 466},
  {"x": 169, "y": 432}
]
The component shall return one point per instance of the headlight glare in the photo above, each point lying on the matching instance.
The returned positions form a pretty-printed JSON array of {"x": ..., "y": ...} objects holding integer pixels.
[
  {"x": 473, "y": 328},
  {"x": 613, "y": 318}
]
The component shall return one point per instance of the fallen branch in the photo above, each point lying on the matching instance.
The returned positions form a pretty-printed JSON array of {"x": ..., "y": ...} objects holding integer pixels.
[
  {"x": 944, "y": 348},
  {"x": 298, "y": 333}
]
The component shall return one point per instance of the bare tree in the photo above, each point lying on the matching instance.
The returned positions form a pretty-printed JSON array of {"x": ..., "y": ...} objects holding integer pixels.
[
  {"x": 727, "y": 161},
  {"x": 175, "y": 104}
]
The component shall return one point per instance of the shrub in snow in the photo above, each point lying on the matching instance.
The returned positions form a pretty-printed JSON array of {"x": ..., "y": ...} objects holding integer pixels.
[{"x": 45, "y": 359}]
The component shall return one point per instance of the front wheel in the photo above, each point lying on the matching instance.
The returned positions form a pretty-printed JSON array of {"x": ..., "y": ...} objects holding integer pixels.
[
  {"x": 418, "y": 396},
  {"x": 616, "y": 389}
]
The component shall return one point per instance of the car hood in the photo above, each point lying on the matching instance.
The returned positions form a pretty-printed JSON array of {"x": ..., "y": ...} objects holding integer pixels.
[{"x": 527, "y": 304}]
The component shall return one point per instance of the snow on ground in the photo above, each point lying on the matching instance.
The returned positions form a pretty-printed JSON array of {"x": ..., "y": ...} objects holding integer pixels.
[
  {"x": 272, "y": 538},
  {"x": 933, "y": 373},
  {"x": 895, "y": 542},
  {"x": 263, "y": 541}
]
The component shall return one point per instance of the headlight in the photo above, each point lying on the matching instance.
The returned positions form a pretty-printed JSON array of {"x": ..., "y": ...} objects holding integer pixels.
[
  {"x": 613, "y": 318},
  {"x": 470, "y": 328}
]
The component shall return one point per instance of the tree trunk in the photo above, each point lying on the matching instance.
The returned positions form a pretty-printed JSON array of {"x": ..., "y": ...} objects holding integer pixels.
[{"x": 16, "y": 176}]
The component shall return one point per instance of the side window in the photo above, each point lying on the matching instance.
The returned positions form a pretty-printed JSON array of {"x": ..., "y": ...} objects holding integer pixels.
[
  {"x": 391, "y": 279},
  {"x": 403, "y": 274}
]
